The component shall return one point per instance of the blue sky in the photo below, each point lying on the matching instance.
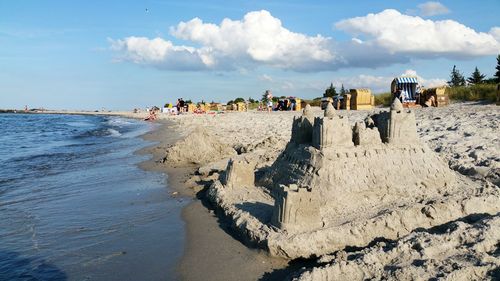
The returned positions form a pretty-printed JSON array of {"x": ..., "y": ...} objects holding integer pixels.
[{"x": 126, "y": 54}]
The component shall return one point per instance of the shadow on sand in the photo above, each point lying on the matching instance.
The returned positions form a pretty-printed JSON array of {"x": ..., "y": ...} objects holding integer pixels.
[{"x": 259, "y": 210}]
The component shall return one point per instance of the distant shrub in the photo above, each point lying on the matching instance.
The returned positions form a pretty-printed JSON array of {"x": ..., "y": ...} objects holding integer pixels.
[
  {"x": 486, "y": 92},
  {"x": 253, "y": 105},
  {"x": 314, "y": 102},
  {"x": 384, "y": 99}
]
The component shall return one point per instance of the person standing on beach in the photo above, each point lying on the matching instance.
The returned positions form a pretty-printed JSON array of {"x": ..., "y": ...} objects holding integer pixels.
[
  {"x": 181, "y": 105},
  {"x": 269, "y": 98}
]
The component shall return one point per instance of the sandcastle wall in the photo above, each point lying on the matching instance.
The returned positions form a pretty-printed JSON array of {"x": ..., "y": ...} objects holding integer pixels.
[
  {"x": 296, "y": 209},
  {"x": 239, "y": 173},
  {"x": 331, "y": 131},
  {"x": 302, "y": 130},
  {"x": 350, "y": 180},
  {"x": 373, "y": 164}
]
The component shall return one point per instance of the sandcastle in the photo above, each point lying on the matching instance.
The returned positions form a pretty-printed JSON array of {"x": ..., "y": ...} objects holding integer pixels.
[
  {"x": 337, "y": 185},
  {"x": 379, "y": 160}
]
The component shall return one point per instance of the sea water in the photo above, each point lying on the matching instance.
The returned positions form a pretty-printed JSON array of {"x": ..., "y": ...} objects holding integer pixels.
[{"x": 75, "y": 206}]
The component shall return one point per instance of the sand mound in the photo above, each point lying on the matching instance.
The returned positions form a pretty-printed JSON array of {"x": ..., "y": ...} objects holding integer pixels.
[
  {"x": 199, "y": 147},
  {"x": 462, "y": 250}
]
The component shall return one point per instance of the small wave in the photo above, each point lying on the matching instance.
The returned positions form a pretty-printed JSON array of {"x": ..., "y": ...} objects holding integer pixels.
[
  {"x": 119, "y": 122},
  {"x": 114, "y": 133},
  {"x": 100, "y": 132},
  {"x": 44, "y": 158}
]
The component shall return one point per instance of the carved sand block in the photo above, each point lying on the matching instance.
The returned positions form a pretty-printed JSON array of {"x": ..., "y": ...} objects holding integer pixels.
[
  {"x": 239, "y": 173},
  {"x": 296, "y": 209}
]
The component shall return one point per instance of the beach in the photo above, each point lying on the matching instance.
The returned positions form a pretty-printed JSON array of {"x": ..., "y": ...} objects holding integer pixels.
[
  {"x": 255, "y": 140},
  {"x": 227, "y": 243},
  {"x": 462, "y": 135},
  {"x": 221, "y": 243}
]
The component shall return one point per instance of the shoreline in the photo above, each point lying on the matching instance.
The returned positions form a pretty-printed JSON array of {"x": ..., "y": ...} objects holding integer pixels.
[{"x": 211, "y": 251}]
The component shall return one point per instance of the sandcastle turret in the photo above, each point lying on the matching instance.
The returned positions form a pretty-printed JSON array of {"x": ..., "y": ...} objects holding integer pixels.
[
  {"x": 296, "y": 209},
  {"x": 307, "y": 112},
  {"x": 331, "y": 130},
  {"x": 330, "y": 111},
  {"x": 239, "y": 173},
  {"x": 398, "y": 125},
  {"x": 302, "y": 127},
  {"x": 396, "y": 105}
]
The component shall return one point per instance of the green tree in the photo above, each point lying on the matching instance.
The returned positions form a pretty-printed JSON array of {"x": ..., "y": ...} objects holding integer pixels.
[
  {"x": 491, "y": 80},
  {"x": 230, "y": 102},
  {"x": 239, "y": 100},
  {"x": 497, "y": 73},
  {"x": 476, "y": 77},
  {"x": 342, "y": 90},
  {"x": 330, "y": 92},
  {"x": 456, "y": 78},
  {"x": 264, "y": 95}
]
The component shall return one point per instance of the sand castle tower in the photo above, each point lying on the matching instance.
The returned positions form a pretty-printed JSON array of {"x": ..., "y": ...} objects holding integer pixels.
[
  {"x": 239, "y": 173},
  {"x": 397, "y": 126},
  {"x": 365, "y": 135},
  {"x": 296, "y": 209},
  {"x": 302, "y": 127},
  {"x": 332, "y": 130}
]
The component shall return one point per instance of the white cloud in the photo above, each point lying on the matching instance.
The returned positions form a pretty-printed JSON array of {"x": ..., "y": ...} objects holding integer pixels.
[
  {"x": 265, "y": 77},
  {"x": 428, "y": 83},
  {"x": 401, "y": 34},
  {"x": 495, "y": 32},
  {"x": 432, "y": 8},
  {"x": 161, "y": 53},
  {"x": 259, "y": 39}
]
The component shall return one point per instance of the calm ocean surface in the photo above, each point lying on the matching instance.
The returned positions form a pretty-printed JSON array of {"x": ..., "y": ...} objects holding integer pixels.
[{"x": 74, "y": 205}]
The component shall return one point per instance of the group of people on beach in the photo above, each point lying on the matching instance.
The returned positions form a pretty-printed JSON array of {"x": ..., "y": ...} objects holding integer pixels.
[
  {"x": 283, "y": 104},
  {"x": 404, "y": 95},
  {"x": 181, "y": 105}
]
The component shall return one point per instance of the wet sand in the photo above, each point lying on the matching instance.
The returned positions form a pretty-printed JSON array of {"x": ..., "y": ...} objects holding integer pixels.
[{"x": 211, "y": 252}]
